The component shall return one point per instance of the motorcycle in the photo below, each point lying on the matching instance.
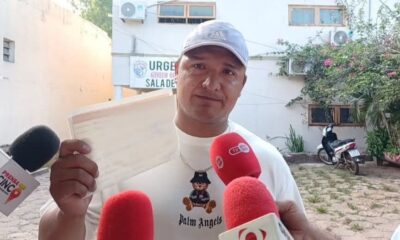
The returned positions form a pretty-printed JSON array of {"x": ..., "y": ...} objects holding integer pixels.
[{"x": 340, "y": 153}]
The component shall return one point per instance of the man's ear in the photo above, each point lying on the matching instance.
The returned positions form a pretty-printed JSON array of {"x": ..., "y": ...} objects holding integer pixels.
[
  {"x": 244, "y": 82},
  {"x": 176, "y": 67},
  {"x": 177, "y": 63}
]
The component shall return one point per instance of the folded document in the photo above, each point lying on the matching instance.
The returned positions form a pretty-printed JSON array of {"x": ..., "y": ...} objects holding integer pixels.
[{"x": 127, "y": 136}]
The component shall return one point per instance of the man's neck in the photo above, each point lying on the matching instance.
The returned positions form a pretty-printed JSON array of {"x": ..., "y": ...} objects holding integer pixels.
[{"x": 202, "y": 129}]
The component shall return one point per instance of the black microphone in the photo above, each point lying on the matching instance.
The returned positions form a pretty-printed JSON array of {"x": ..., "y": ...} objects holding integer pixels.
[
  {"x": 34, "y": 148},
  {"x": 29, "y": 152}
]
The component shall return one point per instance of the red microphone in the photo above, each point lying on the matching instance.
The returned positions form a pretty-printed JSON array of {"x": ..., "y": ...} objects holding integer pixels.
[
  {"x": 232, "y": 157},
  {"x": 250, "y": 212},
  {"x": 127, "y": 215}
]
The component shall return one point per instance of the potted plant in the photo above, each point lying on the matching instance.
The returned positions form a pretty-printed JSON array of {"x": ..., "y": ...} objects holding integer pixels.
[{"x": 377, "y": 141}]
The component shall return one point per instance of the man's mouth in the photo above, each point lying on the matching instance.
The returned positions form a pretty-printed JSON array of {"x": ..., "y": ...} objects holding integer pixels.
[{"x": 209, "y": 98}]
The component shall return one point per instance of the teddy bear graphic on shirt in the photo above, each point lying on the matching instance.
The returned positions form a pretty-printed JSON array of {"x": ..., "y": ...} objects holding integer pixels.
[{"x": 199, "y": 197}]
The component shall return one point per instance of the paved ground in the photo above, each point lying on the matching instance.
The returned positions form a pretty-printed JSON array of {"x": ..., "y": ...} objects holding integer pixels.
[
  {"x": 353, "y": 207},
  {"x": 362, "y": 207}
]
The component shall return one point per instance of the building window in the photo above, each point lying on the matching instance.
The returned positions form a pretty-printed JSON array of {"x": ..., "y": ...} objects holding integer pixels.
[
  {"x": 337, "y": 114},
  {"x": 303, "y": 16},
  {"x": 331, "y": 17},
  {"x": 8, "y": 50},
  {"x": 310, "y": 15},
  {"x": 182, "y": 12}
]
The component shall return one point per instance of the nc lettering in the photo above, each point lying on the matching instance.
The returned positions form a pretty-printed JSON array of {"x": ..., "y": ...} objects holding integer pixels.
[
  {"x": 9, "y": 176},
  {"x": 6, "y": 185}
]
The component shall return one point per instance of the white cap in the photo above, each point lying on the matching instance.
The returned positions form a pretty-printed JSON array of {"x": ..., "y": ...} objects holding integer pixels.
[{"x": 218, "y": 33}]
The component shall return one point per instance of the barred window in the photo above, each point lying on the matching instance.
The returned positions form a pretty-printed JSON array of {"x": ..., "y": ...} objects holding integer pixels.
[
  {"x": 338, "y": 114},
  {"x": 185, "y": 12},
  {"x": 8, "y": 50},
  {"x": 311, "y": 15}
]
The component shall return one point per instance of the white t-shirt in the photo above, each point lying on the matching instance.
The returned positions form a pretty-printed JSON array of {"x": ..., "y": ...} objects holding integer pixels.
[
  {"x": 168, "y": 184},
  {"x": 396, "y": 234}
]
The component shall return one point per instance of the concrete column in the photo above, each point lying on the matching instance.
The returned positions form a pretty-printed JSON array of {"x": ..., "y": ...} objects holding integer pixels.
[{"x": 118, "y": 93}]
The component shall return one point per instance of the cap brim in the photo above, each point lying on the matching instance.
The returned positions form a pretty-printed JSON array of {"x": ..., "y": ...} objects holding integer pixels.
[{"x": 218, "y": 44}]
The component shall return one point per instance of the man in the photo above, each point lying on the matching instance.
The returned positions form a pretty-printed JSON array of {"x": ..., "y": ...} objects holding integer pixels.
[{"x": 210, "y": 75}]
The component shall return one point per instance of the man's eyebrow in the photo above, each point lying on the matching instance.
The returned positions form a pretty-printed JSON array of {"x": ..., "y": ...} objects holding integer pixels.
[
  {"x": 233, "y": 65},
  {"x": 194, "y": 57}
]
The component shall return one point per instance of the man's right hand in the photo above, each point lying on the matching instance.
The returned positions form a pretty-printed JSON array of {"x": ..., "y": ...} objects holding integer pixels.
[
  {"x": 298, "y": 225},
  {"x": 72, "y": 177}
]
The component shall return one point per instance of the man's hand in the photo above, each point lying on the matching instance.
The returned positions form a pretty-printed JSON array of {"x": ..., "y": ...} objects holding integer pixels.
[
  {"x": 72, "y": 177},
  {"x": 298, "y": 225}
]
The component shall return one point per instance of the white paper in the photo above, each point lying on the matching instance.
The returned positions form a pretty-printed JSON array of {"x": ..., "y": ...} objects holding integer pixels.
[{"x": 128, "y": 136}]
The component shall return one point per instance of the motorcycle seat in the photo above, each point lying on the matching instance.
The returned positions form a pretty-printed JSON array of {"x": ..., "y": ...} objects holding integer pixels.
[{"x": 338, "y": 143}]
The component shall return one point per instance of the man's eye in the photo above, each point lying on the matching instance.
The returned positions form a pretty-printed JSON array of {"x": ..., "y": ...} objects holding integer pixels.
[
  {"x": 229, "y": 72},
  {"x": 198, "y": 66}
]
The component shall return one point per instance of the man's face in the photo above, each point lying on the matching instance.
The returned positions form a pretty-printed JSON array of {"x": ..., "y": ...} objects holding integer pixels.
[{"x": 209, "y": 82}]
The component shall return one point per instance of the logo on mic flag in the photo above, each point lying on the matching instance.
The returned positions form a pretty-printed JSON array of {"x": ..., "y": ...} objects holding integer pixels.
[
  {"x": 10, "y": 186},
  {"x": 252, "y": 234},
  {"x": 15, "y": 186}
]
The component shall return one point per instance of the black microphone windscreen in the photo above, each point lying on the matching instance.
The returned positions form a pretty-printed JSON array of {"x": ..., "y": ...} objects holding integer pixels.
[{"x": 34, "y": 148}]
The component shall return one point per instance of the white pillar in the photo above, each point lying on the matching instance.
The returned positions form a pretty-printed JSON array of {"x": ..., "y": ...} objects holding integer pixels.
[{"x": 118, "y": 93}]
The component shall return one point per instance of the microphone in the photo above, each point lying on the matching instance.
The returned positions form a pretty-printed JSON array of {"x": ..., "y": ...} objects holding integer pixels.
[
  {"x": 232, "y": 157},
  {"x": 29, "y": 151},
  {"x": 127, "y": 215},
  {"x": 250, "y": 212},
  {"x": 34, "y": 148}
]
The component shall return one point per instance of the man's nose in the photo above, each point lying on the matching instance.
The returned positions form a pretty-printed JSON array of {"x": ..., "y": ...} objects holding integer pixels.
[{"x": 211, "y": 82}]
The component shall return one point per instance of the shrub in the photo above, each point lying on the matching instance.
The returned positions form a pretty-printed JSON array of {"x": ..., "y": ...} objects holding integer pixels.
[
  {"x": 294, "y": 142},
  {"x": 377, "y": 142}
]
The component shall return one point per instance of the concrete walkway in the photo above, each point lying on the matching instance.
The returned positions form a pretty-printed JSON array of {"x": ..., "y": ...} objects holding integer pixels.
[{"x": 22, "y": 224}]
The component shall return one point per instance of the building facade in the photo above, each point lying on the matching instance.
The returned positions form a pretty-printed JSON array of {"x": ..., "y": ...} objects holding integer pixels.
[
  {"x": 53, "y": 63},
  {"x": 147, "y": 37}
]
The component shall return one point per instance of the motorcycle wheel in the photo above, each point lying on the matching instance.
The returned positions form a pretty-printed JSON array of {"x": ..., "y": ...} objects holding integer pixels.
[
  {"x": 352, "y": 164},
  {"x": 323, "y": 157}
]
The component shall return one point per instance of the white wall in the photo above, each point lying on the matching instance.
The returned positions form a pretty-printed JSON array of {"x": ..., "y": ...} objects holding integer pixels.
[
  {"x": 62, "y": 62},
  {"x": 261, "y": 107},
  {"x": 261, "y": 22}
]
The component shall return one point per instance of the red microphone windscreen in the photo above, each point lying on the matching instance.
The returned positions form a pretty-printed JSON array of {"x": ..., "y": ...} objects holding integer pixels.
[
  {"x": 127, "y": 215},
  {"x": 245, "y": 199},
  {"x": 232, "y": 157}
]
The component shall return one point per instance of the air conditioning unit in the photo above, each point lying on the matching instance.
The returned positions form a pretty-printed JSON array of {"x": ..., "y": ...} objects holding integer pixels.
[
  {"x": 339, "y": 38},
  {"x": 298, "y": 68},
  {"x": 132, "y": 10}
]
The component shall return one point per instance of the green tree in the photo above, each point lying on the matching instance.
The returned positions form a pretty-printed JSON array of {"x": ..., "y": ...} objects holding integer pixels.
[
  {"x": 364, "y": 72},
  {"x": 97, "y": 12}
]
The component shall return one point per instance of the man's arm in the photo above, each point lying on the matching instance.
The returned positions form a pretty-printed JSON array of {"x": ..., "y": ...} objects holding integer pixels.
[
  {"x": 298, "y": 225},
  {"x": 55, "y": 225},
  {"x": 72, "y": 177}
]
